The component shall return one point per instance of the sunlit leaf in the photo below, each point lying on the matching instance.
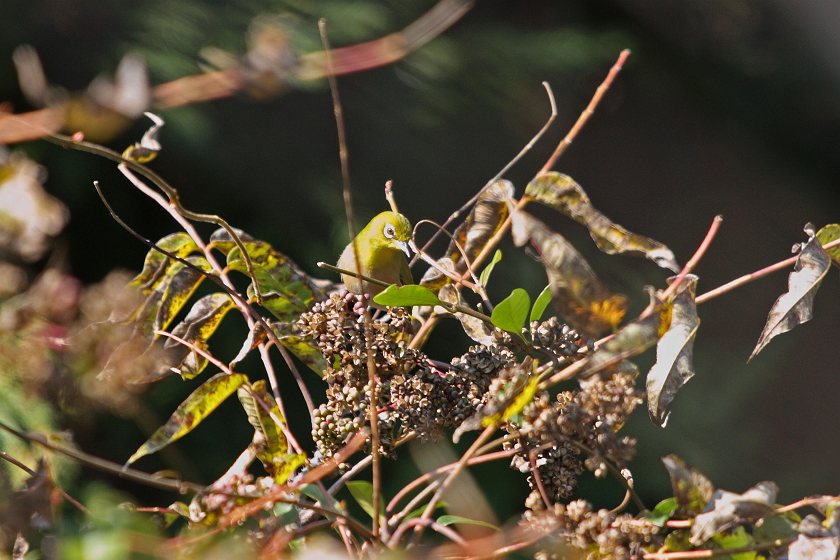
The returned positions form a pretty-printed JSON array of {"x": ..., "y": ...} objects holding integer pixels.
[
  {"x": 510, "y": 313},
  {"x": 674, "y": 365},
  {"x": 632, "y": 339},
  {"x": 540, "y": 304},
  {"x": 488, "y": 270},
  {"x": 692, "y": 489},
  {"x": 272, "y": 445},
  {"x": 727, "y": 509},
  {"x": 485, "y": 219},
  {"x": 736, "y": 538},
  {"x": 562, "y": 193},
  {"x": 362, "y": 492},
  {"x": 286, "y": 290},
  {"x": 447, "y": 520},
  {"x": 577, "y": 293},
  {"x": 826, "y": 235},
  {"x": 795, "y": 306},
  {"x": 170, "y": 295},
  {"x": 156, "y": 264},
  {"x": 191, "y": 412},
  {"x": 197, "y": 327},
  {"x": 406, "y": 296}
]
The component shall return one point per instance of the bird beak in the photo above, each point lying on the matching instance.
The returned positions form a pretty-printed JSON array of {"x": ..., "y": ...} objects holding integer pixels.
[{"x": 404, "y": 246}]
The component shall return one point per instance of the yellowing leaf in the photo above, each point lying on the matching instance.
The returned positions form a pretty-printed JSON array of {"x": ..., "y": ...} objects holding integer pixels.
[
  {"x": 578, "y": 295},
  {"x": 197, "y": 327},
  {"x": 826, "y": 235},
  {"x": 303, "y": 348},
  {"x": 485, "y": 219},
  {"x": 156, "y": 264},
  {"x": 674, "y": 367},
  {"x": 796, "y": 306},
  {"x": 562, "y": 193},
  {"x": 191, "y": 412}
]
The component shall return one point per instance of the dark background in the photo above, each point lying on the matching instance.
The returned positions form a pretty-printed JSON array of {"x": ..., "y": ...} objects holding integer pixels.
[{"x": 725, "y": 107}]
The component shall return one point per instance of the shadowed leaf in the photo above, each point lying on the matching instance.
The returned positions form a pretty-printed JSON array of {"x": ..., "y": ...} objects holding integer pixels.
[
  {"x": 796, "y": 306},
  {"x": 510, "y": 313},
  {"x": 692, "y": 489},
  {"x": 362, "y": 492},
  {"x": 562, "y": 193},
  {"x": 197, "y": 327},
  {"x": 663, "y": 511},
  {"x": 269, "y": 438},
  {"x": 286, "y": 290},
  {"x": 485, "y": 219},
  {"x": 191, "y": 412},
  {"x": 488, "y": 270},
  {"x": 826, "y": 235},
  {"x": 540, "y": 304},
  {"x": 447, "y": 520},
  {"x": 156, "y": 263},
  {"x": 674, "y": 365},
  {"x": 727, "y": 509},
  {"x": 406, "y": 296},
  {"x": 577, "y": 293}
]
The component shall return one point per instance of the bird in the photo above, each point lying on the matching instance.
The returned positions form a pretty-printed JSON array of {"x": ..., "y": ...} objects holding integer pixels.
[{"x": 383, "y": 247}]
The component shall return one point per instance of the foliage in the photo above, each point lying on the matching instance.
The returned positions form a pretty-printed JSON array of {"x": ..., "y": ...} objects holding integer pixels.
[{"x": 555, "y": 392}]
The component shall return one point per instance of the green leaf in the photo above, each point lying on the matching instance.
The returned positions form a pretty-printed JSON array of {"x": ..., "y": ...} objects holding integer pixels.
[
  {"x": 674, "y": 353},
  {"x": 447, "y": 520},
  {"x": 562, "y": 193},
  {"x": 484, "y": 277},
  {"x": 362, "y": 492},
  {"x": 662, "y": 512},
  {"x": 796, "y": 306},
  {"x": 510, "y": 314},
  {"x": 736, "y": 538},
  {"x": 170, "y": 295},
  {"x": 197, "y": 327},
  {"x": 540, "y": 304},
  {"x": 191, "y": 412},
  {"x": 406, "y": 296},
  {"x": 156, "y": 263},
  {"x": 826, "y": 235},
  {"x": 486, "y": 218},
  {"x": 304, "y": 349},
  {"x": 272, "y": 445}
]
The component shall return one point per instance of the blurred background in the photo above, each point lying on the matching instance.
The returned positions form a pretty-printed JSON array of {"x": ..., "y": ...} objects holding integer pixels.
[{"x": 725, "y": 107}]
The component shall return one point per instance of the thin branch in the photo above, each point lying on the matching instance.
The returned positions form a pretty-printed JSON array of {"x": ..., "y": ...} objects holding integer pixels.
[
  {"x": 76, "y": 503},
  {"x": 747, "y": 278},
  {"x": 712, "y": 553},
  {"x": 343, "y": 156},
  {"x": 695, "y": 258},
  {"x": 587, "y": 113},
  {"x": 420, "y": 522}
]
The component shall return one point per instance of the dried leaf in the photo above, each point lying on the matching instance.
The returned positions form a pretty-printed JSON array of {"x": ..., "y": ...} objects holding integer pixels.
[
  {"x": 692, "y": 489},
  {"x": 485, "y": 219},
  {"x": 286, "y": 290},
  {"x": 197, "y": 327},
  {"x": 727, "y": 509},
  {"x": 814, "y": 548},
  {"x": 270, "y": 439},
  {"x": 191, "y": 412},
  {"x": 578, "y": 295},
  {"x": 562, "y": 193},
  {"x": 795, "y": 306},
  {"x": 674, "y": 365},
  {"x": 475, "y": 328},
  {"x": 826, "y": 235}
]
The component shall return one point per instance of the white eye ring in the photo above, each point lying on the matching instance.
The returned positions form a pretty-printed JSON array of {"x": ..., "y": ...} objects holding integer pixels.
[{"x": 389, "y": 231}]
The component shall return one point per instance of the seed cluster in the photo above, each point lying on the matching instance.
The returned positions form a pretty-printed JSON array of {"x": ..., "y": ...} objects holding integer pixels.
[
  {"x": 605, "y": 535},
  {"x": 414, "y": 393},
  {"x": 559, "y": 338}
]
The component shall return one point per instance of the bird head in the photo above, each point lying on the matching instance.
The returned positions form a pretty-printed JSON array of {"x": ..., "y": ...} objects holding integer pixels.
[{"x": 389, "y": 230}]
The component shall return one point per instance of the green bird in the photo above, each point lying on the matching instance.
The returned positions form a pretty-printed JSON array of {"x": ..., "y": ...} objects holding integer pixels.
[{"x": 383, "y": 248}]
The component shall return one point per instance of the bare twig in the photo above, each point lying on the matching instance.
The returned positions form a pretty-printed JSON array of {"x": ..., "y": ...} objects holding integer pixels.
[
  {"x": 712, "y": 553},
  {"x": 695, "y": 258}
]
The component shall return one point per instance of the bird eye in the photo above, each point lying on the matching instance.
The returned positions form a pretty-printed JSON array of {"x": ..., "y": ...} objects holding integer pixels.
[{"x": 389, "y": 231}]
